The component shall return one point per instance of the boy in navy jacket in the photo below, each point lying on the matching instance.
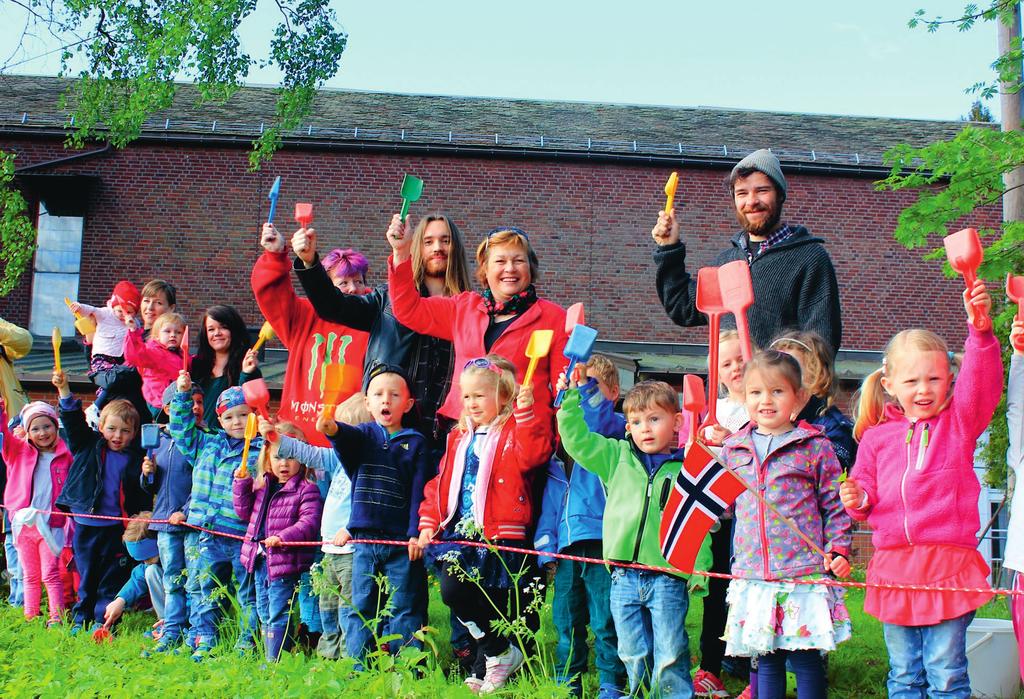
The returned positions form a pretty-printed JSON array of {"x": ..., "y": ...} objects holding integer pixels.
[{"x": 388, "y": 466}]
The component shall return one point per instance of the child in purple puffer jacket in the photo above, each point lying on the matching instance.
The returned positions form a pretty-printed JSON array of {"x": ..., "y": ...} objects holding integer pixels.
[{"x": 281, "y": 505}]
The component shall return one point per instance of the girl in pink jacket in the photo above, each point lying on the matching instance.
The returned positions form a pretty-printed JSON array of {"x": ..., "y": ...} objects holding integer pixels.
[
  {"x": 37, "y": 466},
  {"x": 158, "y": 360},
  {"x": 914, "y": 483}
]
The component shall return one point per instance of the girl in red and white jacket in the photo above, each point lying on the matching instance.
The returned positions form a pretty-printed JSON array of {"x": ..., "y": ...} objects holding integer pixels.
[
  {"x": 37, "y": 466},
  {"x": 483, "y": 491},
  {"x": 914, "y": 483}
]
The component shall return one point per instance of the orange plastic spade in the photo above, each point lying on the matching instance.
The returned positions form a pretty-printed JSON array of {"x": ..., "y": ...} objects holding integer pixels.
[
  {"x": 709, "y": 302},
  {"x": 693, "y": 402},
  {"x": 333, "y": 383},
  {"x": 737, "y": 293},
  {"x": 56, "y": 340},
  {"x": 670, "y": 191},
  {"x": 574, "y": 316},
  {"x": 304, "y": 214},
  {"x": 266, "y": 334},
  {"x": 1015, "y": 292},
  {"x": 539, "y": 346},
  {"x": 963, "y": 249},
  {"x": 251, "y": 430},
  {"x": 184, "y": 349}
]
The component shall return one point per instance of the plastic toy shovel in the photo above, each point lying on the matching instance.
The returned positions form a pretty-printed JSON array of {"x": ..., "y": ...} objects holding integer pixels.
[
  {"x": 251, "y": 430},
  {"x": 539, "y": 346},
  {"x": 1015, "y": 292},
  {"x": 693, "y": 402},
  {"x": 55, "y": 339},
  {"x": 184, "y": 349},
  {"x": 266, "y": 334},
  {"x": 709, "y": 302},
  {"x": 257, "y": 397},
  {"x": 334, "y": 375},
  {"x": 577, "y": 349},
  {"x": 150, "y": 441},
  {"x": 574, "y": 316},
  {"x": 304, "y": 214},
  {"x": 275, "y": 190},
  {"x": 963, "y": 249},
  {"x": 670, "y": 191},
  {"x": 84, "y": 324},
  {"x": 412, "y": 190},
  {"x": 737, "y": 292}
]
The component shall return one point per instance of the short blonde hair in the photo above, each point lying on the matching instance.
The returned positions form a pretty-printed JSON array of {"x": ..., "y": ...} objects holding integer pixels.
[
  {"x": 137, "y": 528},
  {"x": 650, "y": 394},
  {"x": 605, "y": 370},
  {"x": 500, "y": 373},
  {"x": 505, "y": 237},
  {"x": 263, "y": 462},
  {"x": 166, "y": 319},
  {"x": 123, "y": 409}
]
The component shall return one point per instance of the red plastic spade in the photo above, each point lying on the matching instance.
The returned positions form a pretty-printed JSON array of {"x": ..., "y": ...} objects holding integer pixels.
[
  {"x": 737, "y": 293},
  {"x": 1015, "y": 292},
  {"x": 709, "y": 302},
  {"x": 574, "y": 316},
  {"x": 963, "y": 249},
  {"x": 184, "y": 349},
  {"x": 257, "y": 397},
  {"x": 304, "y": 214},
  {"x": 693, "y": 402}
]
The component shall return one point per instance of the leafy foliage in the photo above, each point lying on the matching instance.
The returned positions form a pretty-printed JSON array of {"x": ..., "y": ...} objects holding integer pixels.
[{"x": 17, "y": 236}]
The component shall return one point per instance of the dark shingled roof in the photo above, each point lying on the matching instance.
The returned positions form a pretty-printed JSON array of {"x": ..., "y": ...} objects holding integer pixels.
[{"x": 339, "y": 115}]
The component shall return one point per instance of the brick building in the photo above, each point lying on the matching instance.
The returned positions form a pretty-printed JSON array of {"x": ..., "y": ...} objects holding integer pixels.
[{"x": 585, "y": 180}]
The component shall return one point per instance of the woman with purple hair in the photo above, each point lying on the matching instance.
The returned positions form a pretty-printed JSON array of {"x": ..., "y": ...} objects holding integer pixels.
[{"x": 347, "y": 269}]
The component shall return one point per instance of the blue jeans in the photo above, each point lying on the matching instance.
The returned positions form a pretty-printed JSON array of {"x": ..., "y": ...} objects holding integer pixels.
[
  {"x": 192, "y": 591},
  {"x": 928, "y": 659},
  {"x": 808, "y": 666},
  {"x": 273, "y": 597},
  {"x": 402, "y": 574},
  {"x": 649, "y": 610},
  {"x": 172, "y": 558},
  {"x": 582, "y": 593},
  {"x": 219, "y": 557},
  {"x": 309, "y": 601},
  {"x": 17, "y": 596}
]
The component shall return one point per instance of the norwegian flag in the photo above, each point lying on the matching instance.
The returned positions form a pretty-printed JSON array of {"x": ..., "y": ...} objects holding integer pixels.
[{"x": 703, "y": 490}]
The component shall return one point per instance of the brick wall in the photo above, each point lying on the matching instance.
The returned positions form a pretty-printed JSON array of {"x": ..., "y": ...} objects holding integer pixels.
[{"x": 191, "y": 214}]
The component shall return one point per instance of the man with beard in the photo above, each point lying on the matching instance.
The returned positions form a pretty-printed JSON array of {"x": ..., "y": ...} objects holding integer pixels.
[
  {"x": 794, "y": 280},
  {"x": 439, "y": 267}
]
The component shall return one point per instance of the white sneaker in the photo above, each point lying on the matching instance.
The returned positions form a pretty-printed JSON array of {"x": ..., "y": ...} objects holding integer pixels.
[{"x": 500, "y": 668}]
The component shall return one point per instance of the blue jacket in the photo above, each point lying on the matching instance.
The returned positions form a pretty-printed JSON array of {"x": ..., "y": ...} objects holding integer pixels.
[
  {"x": 387, "y": 473},
  {"x": 836, "y": 426},
  {"x": 172, "y": 482},
  {"x": 338, "y": 497},
  {"x": 573, "y": 506},
  {"x": 83, "y": 488},
  {"x": 216, "y": 456}
]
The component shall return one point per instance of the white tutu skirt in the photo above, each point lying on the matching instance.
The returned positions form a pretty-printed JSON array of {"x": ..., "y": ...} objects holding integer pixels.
[{"x": 769, "y": 616}]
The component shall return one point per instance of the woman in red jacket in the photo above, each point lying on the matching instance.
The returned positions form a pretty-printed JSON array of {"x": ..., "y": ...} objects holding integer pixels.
[{"x": 498, "y": 321}]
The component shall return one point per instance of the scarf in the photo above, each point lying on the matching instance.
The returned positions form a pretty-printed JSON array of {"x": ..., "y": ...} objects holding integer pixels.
[{"x": 514, "y": 306}]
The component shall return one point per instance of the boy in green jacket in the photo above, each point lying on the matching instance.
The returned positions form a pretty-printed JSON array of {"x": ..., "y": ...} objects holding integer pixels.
[{"x": 648, "y": 608}]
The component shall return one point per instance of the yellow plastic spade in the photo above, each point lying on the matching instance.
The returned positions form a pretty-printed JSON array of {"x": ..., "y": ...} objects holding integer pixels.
[
  {"x": 56, "y": 339},
  {"x": 84, "y": 324},
  {"x": 670, "y": 191},
  {"x": 266, "y": 333},
  {"x": 538, "y": 346},
  {"x": 251, "y": 430}
]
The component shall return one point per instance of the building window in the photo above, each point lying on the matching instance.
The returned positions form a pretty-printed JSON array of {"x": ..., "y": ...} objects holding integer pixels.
[{"x": 58, "y": 264}]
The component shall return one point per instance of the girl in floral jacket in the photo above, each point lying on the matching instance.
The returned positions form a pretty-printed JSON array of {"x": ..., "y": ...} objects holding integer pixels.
[{"x": 793, "y": 468}]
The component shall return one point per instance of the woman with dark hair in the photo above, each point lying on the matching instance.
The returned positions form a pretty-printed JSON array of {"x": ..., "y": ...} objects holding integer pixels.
[{"x": 223, "y": 359}]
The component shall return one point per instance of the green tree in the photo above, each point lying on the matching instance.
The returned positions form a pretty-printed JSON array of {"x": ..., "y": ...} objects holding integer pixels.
[
  {"x": 954, "y": 178},
  {"x": 126, "y": 56}
]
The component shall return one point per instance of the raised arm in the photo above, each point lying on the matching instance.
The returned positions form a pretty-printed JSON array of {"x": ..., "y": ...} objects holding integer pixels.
[
  {"x": 433, "y": 315},
  {"x": 136, "y": 353},
  {"x": 593, "y": 452},
  {"x": 357, "y": 311},
  {"x": 272, "y": 287}
]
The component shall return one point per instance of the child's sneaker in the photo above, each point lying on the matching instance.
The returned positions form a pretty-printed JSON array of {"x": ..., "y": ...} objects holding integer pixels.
[
  {"x": 745, "y": 694},
  {"x": 473, "y": 684},
  {"x": 500, "y": 668},
  {"x": 202, "y": 652},
  {"x": 707, "y": 686},
  {"x": 163, "y": 646}
]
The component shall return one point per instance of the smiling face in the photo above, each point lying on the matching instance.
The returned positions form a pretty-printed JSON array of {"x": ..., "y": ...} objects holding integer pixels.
[
  {"x": 387, "y": 400},
  {"x": 479, "y": 397},
  {"x": 170, "y": 335},
  {"x": 919, "y": 381},
  {"x": 437, "y": 245},
  {"x": 653, "y": 428},
  {"x": 508, "y": 271},
  {"x": 117, "y": 432},
  {"x": 219, "y": 336},
  {"x": 757, "y": 204},
  {"x": 233, "y": 420},
  {"x": 283, "y": 469},
  {"x": 42, "y": 432},
  {"x": 730, "y": 367},
  {"x": 772, "y": 401},
  {"x": 153, "y": 307}
]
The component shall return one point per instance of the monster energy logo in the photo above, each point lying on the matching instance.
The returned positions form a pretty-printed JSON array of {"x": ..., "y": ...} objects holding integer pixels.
[{"x": 331, "y": 356}]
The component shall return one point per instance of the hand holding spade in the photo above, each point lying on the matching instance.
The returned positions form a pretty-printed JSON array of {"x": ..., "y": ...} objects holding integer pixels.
[
  {"x": 400, "y": 239},
  {"x": 666, "y": 230},
  {"x": 304, "y": 245}
]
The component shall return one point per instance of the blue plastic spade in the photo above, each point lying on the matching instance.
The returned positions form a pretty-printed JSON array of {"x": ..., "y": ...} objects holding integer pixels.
[
  {"x": 150, "y": 441},
  {"x": 274, "y": 191},
  {"x": 578, "y": 349}
]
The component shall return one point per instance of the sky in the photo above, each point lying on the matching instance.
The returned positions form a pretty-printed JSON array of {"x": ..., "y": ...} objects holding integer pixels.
[{"x": 825, "y": 57}]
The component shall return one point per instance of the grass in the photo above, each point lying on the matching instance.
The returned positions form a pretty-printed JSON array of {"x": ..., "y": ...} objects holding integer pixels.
[{"x": 36, "y": 662}]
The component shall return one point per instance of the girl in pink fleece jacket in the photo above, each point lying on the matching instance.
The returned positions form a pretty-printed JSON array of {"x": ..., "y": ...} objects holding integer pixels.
[
  {"x": 914, "y": 483},
  {"x": 158, "y": 360}
]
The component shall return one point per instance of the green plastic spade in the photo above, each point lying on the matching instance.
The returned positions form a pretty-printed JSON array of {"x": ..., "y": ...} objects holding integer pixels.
[{"x": 412, "y": 190}]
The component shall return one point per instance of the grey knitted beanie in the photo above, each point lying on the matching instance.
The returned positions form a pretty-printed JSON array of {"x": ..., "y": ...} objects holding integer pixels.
[{"x": 763, "y": 161}]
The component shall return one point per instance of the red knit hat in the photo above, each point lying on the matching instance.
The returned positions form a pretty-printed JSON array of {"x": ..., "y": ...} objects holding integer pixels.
[{"x": 125, "y": 294}]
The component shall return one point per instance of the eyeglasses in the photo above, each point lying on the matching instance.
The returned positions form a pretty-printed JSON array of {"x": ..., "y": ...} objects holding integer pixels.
[
  {"x": 512, "y": 229},
  {"x": 483, "y": 363}
]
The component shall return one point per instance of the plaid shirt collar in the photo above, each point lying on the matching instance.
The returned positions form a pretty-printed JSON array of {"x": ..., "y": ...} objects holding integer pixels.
[{"x": 771, "y": 241}]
